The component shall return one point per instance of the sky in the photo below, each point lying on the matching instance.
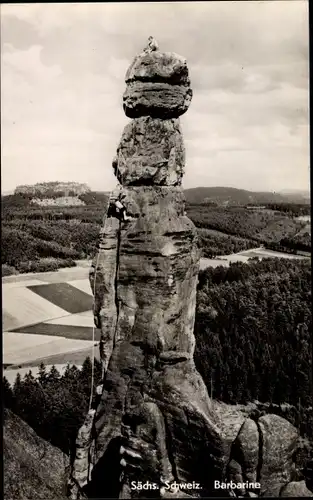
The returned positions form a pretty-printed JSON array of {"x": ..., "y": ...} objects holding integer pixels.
[{"x": 62, "y": 80}]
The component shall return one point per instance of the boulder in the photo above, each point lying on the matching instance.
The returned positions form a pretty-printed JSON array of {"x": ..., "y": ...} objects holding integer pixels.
[
  {"x": 235, "y": 475},
  {"x": 279, "y": 441},
  {"x": 155, "y": 66},
  {"x": 158, "y": 85},
  {"x": 296, "y": 489},
  {"x": 246, "y": 450}
]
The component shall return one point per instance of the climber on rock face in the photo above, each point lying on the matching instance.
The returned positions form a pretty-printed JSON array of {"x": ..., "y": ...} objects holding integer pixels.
[{"x": 120, "y": 209}]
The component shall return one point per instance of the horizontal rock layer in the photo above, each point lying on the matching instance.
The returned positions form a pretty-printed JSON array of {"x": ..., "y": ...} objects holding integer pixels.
[
  {"x": 159, "y": 100},
  {"x": 151, "y": 152}
]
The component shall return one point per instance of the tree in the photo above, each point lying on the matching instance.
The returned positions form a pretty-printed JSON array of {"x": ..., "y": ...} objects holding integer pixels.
[
  {"x": 17, "y": 387},
  {"x": 42, "y": 374},
  {"x": 8, "y": 396},
  {"x": 53, "y": 375},
  {"x": 86, "y": 369}
]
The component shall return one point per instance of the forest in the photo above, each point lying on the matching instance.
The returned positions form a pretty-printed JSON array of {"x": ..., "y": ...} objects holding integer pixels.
[
  {"x": 253, "y": 331},
  {"x": 54, "y": 406},
  {"x": 263, "y": 226},
  {"x": 36, "y": 239}
]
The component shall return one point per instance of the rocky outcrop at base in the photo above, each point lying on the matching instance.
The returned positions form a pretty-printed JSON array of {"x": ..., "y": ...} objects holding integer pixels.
[{"x": 33, "y": 468}]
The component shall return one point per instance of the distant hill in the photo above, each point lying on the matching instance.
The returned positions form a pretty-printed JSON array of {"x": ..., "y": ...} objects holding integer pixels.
[
  {"x": 33, "y": 468},
  {"x": 303, "y": 192},
  {"x": 295, "y": 194},
  {"x": 228, "y": 195},
  {"x": 50, "y": 198},
  {"x": 75, "y": 193},
  {"x": 48, "y": 189}
]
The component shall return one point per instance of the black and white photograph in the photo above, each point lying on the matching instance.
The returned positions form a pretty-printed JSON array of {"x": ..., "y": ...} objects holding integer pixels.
[{"x": 156, "y": 250}]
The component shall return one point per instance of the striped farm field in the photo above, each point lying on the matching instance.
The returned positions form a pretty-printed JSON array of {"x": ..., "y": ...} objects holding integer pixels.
[
  {"x": 9, "y": 321},
  {"x": 61, "y": 276},
  {"x": 82, "y": 285},
  {"x": 23, "y": 307},
  {"x": 67, "y": 331},
  {"x": 76, "y": 357},
  {"x": 80, "y": 319},
  {"x": 70, "y": 298},
  {"x": 24, "y": 283},
  {"x": 23, "y": 353},
  {"x": 47, "y": 315},
  {"x": 16, "y": 343}
]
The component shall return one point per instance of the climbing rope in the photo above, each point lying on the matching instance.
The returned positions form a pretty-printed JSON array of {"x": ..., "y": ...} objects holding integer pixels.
[{"x": 105, "y": 218}]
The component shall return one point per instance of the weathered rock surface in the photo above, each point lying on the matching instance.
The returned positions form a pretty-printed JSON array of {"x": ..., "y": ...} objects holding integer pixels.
[
  {"x": 159, "y": 100},
  {"x": 152, "y": 359},
  {"x": 33, "y": 468},
  {"x": 167, "y": 67},
  {"x": 296, "y": 489},
  {"x": 104, "y": 288},
  {"x": 234, "y": 470},
  {"x": 279, "y": 442},
  {"x": 157, "y": 85},
  {"x": 147, "y": 274},
  {"x": 151, "y": 152},
  {"x": 246, "y": 450},
  {"x": 83, "y": 443}
]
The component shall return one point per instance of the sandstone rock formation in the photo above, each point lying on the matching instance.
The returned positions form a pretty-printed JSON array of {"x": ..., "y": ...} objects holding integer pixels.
[
  {"x": 143, "y": 159},
  {"x": 155, "y": 421},
  {"x": 158, "y": 85}
]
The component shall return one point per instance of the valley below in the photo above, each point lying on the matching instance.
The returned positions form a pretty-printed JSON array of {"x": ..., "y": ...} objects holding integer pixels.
[
  {"x": 61, "y": 337},
  {"x": 253, "y": 313}
]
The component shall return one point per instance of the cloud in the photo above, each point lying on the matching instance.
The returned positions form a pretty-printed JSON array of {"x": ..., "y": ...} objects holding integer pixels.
[
  {"x": 53, "y": 129},
  {"x": 63, "y": 69}
]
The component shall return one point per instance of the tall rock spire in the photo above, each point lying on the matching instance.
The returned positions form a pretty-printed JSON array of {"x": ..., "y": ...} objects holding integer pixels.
[
  {"x": 154, "y": 421},
  {"x": 145, "y": 278}
]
